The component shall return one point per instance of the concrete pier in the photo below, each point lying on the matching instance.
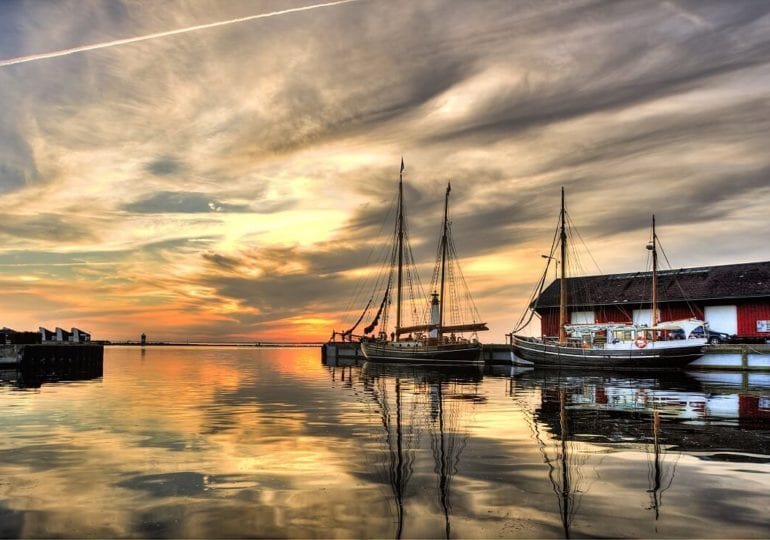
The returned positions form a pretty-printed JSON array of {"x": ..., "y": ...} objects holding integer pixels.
[
  {"x": 738, "y": 357},
  {"x": 347, "y": 351}
]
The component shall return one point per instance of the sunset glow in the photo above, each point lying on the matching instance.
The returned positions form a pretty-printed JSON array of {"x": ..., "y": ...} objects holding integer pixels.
[{"x": 224, "y": 170}]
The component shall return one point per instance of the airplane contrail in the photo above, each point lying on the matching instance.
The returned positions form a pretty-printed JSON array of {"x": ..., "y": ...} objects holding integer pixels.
[{"x": 84, "y": 48}]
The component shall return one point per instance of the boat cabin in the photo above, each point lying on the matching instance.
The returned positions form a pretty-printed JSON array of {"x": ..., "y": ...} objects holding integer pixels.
[{"x": 609, "y": 334}]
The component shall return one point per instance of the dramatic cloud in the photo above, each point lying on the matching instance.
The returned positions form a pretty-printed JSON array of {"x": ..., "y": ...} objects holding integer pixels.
[
  {"x": 191, "y": 203},
  {"x": 229, "y": 170}
]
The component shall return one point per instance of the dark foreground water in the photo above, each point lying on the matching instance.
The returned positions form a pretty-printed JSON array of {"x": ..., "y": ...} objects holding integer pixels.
[{"x": 228, "y": 442}]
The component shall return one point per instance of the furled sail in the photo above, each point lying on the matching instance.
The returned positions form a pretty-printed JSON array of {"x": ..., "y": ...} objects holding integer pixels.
[
  {"x": 363, "y": 313},
  {"x": 468, "y": 327},
  {"x": 376, "y": 320}
]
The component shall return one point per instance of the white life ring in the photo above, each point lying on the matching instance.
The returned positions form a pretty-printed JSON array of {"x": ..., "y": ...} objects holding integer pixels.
[{"x": 640, "y": 342}]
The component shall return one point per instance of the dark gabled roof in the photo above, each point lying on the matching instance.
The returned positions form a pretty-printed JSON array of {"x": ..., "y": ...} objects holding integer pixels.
[{"x": 732, "y": 281}]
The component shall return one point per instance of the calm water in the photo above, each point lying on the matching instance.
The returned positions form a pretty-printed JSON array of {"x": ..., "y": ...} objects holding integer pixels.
[{"x": 228, "y": 442}]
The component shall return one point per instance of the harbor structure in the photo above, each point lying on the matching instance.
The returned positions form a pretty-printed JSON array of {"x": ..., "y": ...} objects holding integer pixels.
[
  {"x": 47, "y": 355},
  {"x": 733, "y": 299}
]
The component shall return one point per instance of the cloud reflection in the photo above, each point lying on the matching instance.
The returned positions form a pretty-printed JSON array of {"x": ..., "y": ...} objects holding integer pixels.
[{"x": 280, "y": 137}]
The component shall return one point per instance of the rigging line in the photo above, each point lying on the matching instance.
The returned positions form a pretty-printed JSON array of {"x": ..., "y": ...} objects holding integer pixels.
[
  {"x": 474, "y": 312},
  {"x": 416, "y": 289},
  {"x": 356, "y": 297},
  {"x": 454, "y": 301},
  {"x": 385, "y": 301},
  {"x": 436, "y": 267},
  {"x": 420, "y": 288},
  {"x": 413, "y": 277},
  {"x": 414, "y": 283},
  {"x": 690, "y": 305},
  {"x": 529, "y": 311},
  {"x": 572, "y": 227},
  {"x": 585, "y": 294},
  {"x": 385, "y": 306}
]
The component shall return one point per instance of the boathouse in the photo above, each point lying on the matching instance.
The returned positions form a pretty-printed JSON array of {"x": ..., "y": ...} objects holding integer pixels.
[
  {"x": 76, "y": 335},
  {"x": 734, "y": 298}
]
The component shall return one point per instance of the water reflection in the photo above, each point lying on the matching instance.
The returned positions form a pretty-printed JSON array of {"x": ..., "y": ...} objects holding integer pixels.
[
  {"x": 667, "y": 415},
  {"x": 414, "y": 402},
  {"x": 35, "y": 378},
  {"x": 622, "y": 453},
  {"x": 234, "y": 442},
  {"x": 660, "y": 476}
]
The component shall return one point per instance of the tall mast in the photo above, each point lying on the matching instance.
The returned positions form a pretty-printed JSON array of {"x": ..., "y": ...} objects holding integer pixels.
[
  {"x": 443, "y": 262},
  {"x": 400, "y": 246},
  {"x": 563, "y": 278},
  {"x": 654, "y": 247}
]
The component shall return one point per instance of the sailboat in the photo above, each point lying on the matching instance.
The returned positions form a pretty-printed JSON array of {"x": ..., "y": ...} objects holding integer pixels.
[
  {"x": 612, "y": 345},
  {"x": 435, "y": 342}
]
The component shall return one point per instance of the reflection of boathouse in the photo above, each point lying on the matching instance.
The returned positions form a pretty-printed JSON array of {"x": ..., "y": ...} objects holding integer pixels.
[
  {"x": 734, "y": 299},
  {"x": 608, "y": 410},
  {"x": 664, "y": 417}
]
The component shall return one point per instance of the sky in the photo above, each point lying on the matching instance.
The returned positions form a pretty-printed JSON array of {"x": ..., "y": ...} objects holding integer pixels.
[{"x": 223, "y": 170}]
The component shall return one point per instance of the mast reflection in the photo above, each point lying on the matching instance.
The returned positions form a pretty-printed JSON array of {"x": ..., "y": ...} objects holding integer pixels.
[
  {"x": 606, "y": 408},
  {"x": 660, "y": 477},
  {"x": 562, "y": 459},
  {"x": 414, "y": 401}
]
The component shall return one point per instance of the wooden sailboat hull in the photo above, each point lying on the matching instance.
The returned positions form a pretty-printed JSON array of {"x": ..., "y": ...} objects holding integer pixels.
[
  {"x": 551, "y": 355},
  {"x": 452, "y": 354}
]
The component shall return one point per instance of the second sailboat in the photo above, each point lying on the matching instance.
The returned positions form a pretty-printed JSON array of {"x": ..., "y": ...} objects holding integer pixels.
[{"x": 438, "y": 341}]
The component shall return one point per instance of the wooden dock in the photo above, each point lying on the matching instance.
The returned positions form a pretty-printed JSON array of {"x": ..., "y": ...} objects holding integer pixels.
[
  {"x": 735, "y": 357},
  {"x": 54, "y": 361}
]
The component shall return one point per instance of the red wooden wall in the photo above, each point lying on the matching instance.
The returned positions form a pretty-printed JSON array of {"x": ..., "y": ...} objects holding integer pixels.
[{"x": 749, "y": 314}]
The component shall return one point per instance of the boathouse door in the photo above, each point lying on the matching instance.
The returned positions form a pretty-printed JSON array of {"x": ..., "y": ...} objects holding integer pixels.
[{"x": 722, "y": 318}]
